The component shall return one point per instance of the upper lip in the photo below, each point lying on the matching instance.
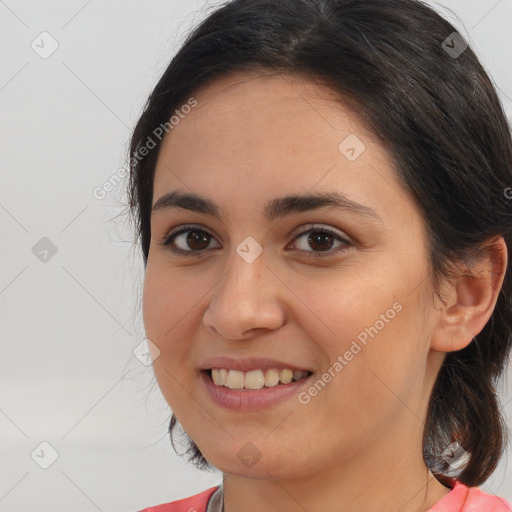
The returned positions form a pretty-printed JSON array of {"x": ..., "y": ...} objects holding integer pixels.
[{"x": 248, "y": 364}]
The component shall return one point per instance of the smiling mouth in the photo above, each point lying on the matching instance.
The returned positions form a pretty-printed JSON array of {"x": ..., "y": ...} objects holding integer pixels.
[{"x": 255, "y": 379}]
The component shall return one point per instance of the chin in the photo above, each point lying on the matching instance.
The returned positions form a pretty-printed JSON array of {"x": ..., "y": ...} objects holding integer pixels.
[{"x": 248, "y": 463}]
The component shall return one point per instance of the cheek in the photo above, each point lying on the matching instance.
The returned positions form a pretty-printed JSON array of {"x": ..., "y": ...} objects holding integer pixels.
[
  {"x": 168, "y": 297},
  {"x": 352, "y": 307},
  {"x": 168, "y": 308},
  {"x": 382, "y": 365},
  {"x": 371, "y": 333},
  {"x": 173, "y": 308}
]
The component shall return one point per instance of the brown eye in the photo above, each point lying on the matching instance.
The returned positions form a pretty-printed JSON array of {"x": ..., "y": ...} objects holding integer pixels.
[
  {"x": 321, "y": 240},
  {"x": 197, "y": 240},
  {"x": 189, "y": 241}
]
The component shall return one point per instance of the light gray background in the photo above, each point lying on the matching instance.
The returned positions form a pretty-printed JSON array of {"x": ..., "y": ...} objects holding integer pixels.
[{"x": 69, "y": 325}]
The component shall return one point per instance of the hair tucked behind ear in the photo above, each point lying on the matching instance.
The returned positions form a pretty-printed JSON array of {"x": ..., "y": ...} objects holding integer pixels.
[
  {"x": 440, "y": 119},
  {"x": 464, "y": 409}
]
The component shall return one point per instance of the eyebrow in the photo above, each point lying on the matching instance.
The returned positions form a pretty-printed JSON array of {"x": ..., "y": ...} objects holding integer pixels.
[{"x": 276, "y": 208}]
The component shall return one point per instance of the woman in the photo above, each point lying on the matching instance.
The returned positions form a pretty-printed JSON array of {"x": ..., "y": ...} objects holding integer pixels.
[{"x": 320, "y": 191}]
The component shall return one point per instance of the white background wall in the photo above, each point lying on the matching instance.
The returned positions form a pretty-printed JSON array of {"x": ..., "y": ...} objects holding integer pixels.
[{"x": 69, "y": 325}]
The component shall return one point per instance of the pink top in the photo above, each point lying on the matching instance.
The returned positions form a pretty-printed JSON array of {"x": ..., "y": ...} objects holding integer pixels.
[
  {"x": 196, "y": 503},
  {"x": 470, "y": 499},
  {"x": 459, "y": 499}
]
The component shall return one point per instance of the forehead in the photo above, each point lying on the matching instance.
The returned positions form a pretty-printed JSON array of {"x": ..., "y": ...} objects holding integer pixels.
[
  {"x": 277, "y": 96},
  {"x": 260, "y": 86},
  {"x": 265, "y": 117},
  {"x": 255, "y": 134}
]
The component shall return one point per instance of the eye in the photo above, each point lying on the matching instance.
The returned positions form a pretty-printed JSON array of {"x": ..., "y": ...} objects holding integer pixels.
[
  {"x": 188, "y": 241},
  {"x": 193, "y": 241},
  {"x": 322, "y": 240}
]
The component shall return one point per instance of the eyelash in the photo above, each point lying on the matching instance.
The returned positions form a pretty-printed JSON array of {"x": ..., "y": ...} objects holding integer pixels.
[{"x": 169, "y": 239}]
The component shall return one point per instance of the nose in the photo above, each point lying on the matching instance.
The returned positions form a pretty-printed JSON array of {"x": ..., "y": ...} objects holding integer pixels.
[{"x": 246, "y": 301}]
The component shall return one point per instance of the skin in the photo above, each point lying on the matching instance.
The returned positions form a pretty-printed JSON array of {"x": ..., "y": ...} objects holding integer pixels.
[{"x": 357, "y": 445}]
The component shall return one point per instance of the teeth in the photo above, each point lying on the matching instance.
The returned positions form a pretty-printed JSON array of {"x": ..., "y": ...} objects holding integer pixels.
[
  {"x": 216, "y": 377},
  {"x": 297, "y": 375},
  {"x": 220, "y": 376},
  {"x": 255, "y": 379},
  {"x": 235, "y": 379},
  {"x": 271, "y": 377},
  {"x": 286, "y": 376}
]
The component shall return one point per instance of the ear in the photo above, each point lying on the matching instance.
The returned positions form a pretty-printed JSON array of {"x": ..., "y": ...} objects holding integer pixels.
[{"x": 470, "y": 299}]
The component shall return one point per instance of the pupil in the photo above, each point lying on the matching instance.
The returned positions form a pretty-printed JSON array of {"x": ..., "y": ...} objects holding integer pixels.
[
  {"x": 194, "y": 240},
  {"x": 320, "y": 238}
]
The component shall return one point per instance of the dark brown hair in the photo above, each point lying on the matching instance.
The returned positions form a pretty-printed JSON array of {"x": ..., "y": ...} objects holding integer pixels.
[{"x": 439, "y": 117}]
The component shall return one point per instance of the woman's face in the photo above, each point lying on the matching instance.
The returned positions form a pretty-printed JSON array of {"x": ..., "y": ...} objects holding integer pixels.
[{"x": 263, "y": 286}]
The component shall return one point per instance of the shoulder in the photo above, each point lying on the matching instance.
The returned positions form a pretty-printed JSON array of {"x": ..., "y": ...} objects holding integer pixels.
[
  {"x": 481, "y": 500},
  {"x": 471, "y": 499},
  {"x": 196, "y": 503}
]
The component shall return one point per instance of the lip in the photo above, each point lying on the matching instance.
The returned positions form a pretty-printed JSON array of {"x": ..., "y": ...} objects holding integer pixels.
[
  {"x": 248, "y": 364},
  {"x": 252, "y": 399}
]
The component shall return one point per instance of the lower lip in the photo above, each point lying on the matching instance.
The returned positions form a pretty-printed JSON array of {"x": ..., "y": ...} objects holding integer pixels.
[{"x": 252, "y": 399}]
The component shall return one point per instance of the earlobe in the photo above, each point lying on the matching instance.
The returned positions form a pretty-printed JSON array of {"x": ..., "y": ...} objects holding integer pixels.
[{"x": 470, "y": 299}]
